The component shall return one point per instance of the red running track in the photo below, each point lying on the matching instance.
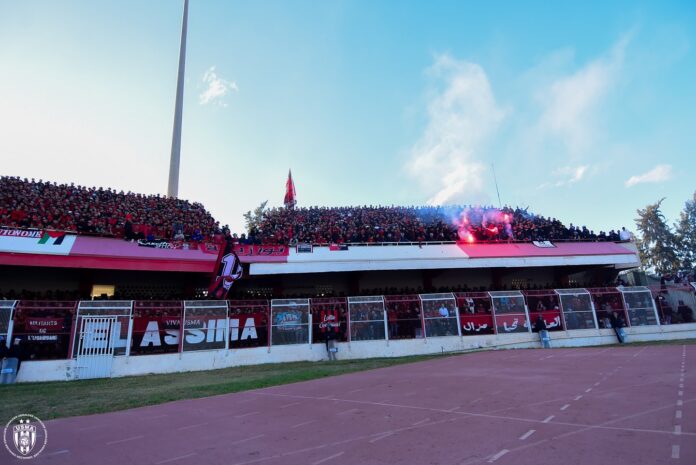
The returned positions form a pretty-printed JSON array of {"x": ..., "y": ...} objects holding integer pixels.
[{"x": 617, "y": 405}]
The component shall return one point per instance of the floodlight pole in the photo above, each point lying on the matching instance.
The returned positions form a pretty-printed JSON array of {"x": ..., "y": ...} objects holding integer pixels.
[{"x": 173, "y": 187}]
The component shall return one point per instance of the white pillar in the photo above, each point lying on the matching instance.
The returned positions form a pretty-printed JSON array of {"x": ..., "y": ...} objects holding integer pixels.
[{"x": 173, "y": 187}]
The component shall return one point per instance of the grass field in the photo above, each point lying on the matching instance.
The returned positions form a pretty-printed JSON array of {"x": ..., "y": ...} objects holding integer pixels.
[{"x": 64, "y": 399}]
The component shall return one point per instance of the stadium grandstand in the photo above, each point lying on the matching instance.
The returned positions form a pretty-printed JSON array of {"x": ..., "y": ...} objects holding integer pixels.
[{"x": 68, "y": 253}]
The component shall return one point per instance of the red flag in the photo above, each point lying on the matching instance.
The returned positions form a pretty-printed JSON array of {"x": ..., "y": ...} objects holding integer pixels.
[
  {"x": 228, "y": 270},
  {"x": 290, "y": 198}
]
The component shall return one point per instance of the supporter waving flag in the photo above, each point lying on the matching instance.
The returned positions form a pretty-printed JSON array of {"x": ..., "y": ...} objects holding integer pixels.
[
  {"x": 228, "y": 270},
  {"x": 290, "y": 198}
]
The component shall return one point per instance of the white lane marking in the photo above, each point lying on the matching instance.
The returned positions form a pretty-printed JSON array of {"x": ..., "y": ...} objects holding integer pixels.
[
  {"x": 191, "y": 426},
  {"x": 527, "y": 434},
  {"x": 680, "y": 393},
  {"x": 381, "y": 436},
  {"x": 239, "y": 441},
  {"x": 119, "y": 441},
  {"x": 348, "y": 411},
  {"x": 675, "y": 451},
  {"x": 292, "y": 404},
  {"x": 565, "y": 406},
  {"x": 58, "y": 452},
  {"x": 677, "y": 429},
  {"x": 420, "y": 422},
  {"x": 588, "y": 390},
  {"x": 548, "y": 419},
  {"x": 326, "y": 459},
  {"x": 90, "y": 427},
  {"x": 303, "y": 423},
  {"x": 355, "y": 390},
  {"x": 680, "y": 402},
  {"x": 596, "y": 384},
  {"x": 678, "y": 414},
  {"x": 498, "y": 455},
  {"x": 174, "y": 459},
  {"x": 578, "y": 397},
  {"x": 454, "y": 408},
  {"x": 246, "y": 415},
  {"x": 681, "y": 385}
]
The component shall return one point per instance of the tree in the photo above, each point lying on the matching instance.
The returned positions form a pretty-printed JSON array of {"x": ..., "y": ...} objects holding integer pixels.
[
  {"x": 686, "y": 234},
  {"x": 253, "y": 219},
  {"x": 658, "y": 243}
]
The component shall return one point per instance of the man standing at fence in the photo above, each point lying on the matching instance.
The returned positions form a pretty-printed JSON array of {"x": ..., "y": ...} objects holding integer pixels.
[
  {"x": 540, "y": 327},
  {"x": 330, "y": 339},
  {"x": 617, "y": 323}
]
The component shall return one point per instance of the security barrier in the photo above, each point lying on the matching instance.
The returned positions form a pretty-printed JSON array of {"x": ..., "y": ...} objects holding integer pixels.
[
  {"x": 6, "y": 310},
  {"x": 510, "y": 312},
  {"x": 290, "y": 322},
  {"x": 546, "y": 304},
  {"x": 577, "y": 309},
  {"x": 367, "y": 319},
  {"x": 59, "y": 330}
]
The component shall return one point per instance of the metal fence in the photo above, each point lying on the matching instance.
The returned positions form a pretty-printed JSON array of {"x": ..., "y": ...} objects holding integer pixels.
[
  {"x": 59, "y": 329},
  {"x": 290, "y": 322}
]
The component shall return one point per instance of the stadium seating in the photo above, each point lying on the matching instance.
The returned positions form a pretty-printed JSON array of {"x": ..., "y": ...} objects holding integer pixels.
[
  {"x": 36, "y": 204},
  {"x": 412, "y": 224}
]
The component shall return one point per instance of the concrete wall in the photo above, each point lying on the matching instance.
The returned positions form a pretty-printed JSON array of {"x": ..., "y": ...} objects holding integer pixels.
[{"x": 63, "y": 370}]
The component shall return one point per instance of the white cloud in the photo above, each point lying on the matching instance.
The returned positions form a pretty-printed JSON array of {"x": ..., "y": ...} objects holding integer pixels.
[
  {"x": 658, "y": 174},
  {"x": 217, "y": 88},
  {"x": 462, "y": 116},
  {"x": 570, "y": 103},
  {"x": 568, "y": 174}
]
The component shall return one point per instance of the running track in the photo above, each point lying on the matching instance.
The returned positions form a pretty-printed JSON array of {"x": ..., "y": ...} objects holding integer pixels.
[{"x": 617, "y": 405}]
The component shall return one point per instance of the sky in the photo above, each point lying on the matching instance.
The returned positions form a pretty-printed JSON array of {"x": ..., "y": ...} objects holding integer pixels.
[{"x": 587, "y": 110}]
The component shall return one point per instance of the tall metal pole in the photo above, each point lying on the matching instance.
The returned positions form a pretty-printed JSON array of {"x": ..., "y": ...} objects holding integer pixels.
[
  {"x": 173, "y": 187},
  {"x": 500, "y": 204}
]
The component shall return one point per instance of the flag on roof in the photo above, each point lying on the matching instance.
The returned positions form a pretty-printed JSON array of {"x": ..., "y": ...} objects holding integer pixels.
[{"x": 290, "y": 197}]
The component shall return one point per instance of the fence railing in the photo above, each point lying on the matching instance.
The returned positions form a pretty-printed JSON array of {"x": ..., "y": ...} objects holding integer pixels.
[{"x": 48, "y": 329}]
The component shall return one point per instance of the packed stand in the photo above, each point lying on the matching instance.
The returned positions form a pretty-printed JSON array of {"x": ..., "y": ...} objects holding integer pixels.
[
  {"x": 368, "y": 224},
  {"x": 44, "y": 205}
]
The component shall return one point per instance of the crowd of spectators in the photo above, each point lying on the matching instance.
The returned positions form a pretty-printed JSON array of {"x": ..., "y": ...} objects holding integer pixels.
[
  {"x": 28, "y": 203},
  {"x": 38, "y": 204},
  {"x": 369, "y": 224}
]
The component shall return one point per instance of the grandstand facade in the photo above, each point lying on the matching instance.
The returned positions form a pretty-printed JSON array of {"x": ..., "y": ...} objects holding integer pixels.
[{"x": 123, "y": 277}]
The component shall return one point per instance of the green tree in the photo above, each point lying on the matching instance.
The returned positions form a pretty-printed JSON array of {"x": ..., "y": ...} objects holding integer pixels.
[
  {"x": 686, "y": 234},
  {"x": 657, "y": 245},
  {"x": 253, "y": 219}
]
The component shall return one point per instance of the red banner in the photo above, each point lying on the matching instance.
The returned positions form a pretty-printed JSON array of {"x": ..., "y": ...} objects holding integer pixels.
[
  {"x": 44, "y": 325},
  {"x": 244, "y": 250},
  {"x": 473, "y": 324},
  {"x": 511, "y": 323}
]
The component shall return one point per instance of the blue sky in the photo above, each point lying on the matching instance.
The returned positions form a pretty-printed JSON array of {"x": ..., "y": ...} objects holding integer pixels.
[{"x": 587, "y": 110}]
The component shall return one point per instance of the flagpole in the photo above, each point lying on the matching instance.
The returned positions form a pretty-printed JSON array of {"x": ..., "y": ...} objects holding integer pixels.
[
  {"x": 500, "y": 204},
  {"x": 173, "y": 187}
]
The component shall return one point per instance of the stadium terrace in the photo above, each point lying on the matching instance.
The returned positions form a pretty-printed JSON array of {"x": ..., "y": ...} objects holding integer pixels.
[{"x": 382, "y": 281}]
